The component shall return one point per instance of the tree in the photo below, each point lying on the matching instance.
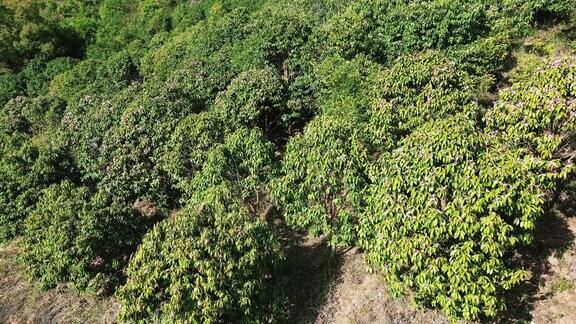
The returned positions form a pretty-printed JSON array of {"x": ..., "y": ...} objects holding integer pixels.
[
  {"x": 76, "y": 237},
  {"x": 212, "y": 261},
  {"x": 323, "y": 177}
]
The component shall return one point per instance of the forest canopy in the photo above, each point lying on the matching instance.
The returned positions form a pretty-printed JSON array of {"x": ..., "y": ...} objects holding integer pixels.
[{"x": 150, "y": 148}]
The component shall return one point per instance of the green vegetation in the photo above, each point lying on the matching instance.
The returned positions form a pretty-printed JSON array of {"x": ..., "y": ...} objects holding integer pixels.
[
  {"x": 83, "y": 238},
  {"x": 142, "y": 143},
  {"x": 210, "y": 262}
]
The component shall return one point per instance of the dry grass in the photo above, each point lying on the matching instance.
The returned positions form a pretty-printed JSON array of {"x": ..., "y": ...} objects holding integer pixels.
[
  {"x": 331, "y": 286},
  {"x": 20, "y": 302},
  {"x": 360, "y": 297},
  {"x": 555, "y": 300}
]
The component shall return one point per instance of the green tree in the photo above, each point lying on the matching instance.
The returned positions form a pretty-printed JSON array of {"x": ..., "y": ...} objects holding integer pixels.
[
  {"x": 76, "y": 237},
  {"x": 211, "y": 262},
  {"x": 323, "y": 177}
]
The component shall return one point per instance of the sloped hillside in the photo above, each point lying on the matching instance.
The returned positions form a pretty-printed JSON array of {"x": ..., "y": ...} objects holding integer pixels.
[{"x": 304, "y": 160}]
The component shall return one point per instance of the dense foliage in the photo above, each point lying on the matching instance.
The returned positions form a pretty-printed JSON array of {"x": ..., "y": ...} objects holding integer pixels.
[
  {"x": 209, "y": 262},
  {"x": 74, "y": 236},
  {"x": 151, "y": 147}
]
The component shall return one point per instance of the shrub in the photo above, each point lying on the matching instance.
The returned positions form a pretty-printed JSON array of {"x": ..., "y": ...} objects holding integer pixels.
[
  {"x": 244, "y": 162},
  {"x": 197, "y": 82},
  {"x": 187, "y": 150},
  {"x": 422, "y": 87},
  {"x": 200, "y": 42},
  {"x": 76, "y": 82},
  {"x": 7, "y": 37},
  {"x": 88, "y": 121},
  {"x": 433, "y": 224},
  {"x": 37, "y": 74},
  {"x": 396, "y": 125},
  {"x": 28, "y": 164},
  {"x": 72, "y": 236},
  {"x": 323, "y": 177},
  {"x": 25, "y": 34},
  {"x": 120, "y": 70},
  {"x": 484, "y": 57},
  {"x": 254, "y": 98},
  {"x": 42, "y": 113},
  {"x": 386, "y": 29},
  {"x": 211, "y": 262},
  {"x": 451, "y": 205},
  {"x": 10, "y": 87},
  {"x": 537, "y": 111},
  {"x": 280, "y": 32},
  {"x": 345, "y": 86},
  {"x": 13, "y": 206},
  {"x": 543, "y": 11},
  {"x": 117, "y": 20},
  {"x": 120, "y": 150}
]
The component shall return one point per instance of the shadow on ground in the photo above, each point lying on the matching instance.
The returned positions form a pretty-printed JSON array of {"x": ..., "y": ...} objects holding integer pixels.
[
  {"x": 314, "y": 269},
  {"x": 553, "y": 237}
]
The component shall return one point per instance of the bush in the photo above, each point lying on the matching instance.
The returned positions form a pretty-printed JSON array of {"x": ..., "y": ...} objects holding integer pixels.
[
  {"x": 200, "y": 42},
  {"x": 73, "y": 236},
  {"x": 38, "y": 74},
  {"x": 27, "y": 165},
  {"x": 88, "y": 122},
  {"x": 187, "y": 150},
  {"x": 323, "y": 177},
  {"x": 13, "y": 206},
  {"x": 431, "y": 222},
  {"x": 10, "y": 87},
  {"x": 25, "y": 34},
  {"x": 422, "y": 87},
  {"x": 198, "y": 82},
  {"x": 120, "y": 70},
  {"x": 280, "y": 33},
  {"x": 120, "y": 148},
  {"x": 537, "y": 111},
  {"x": 452, "y": 204},
  {"x": 254, "y": 98},
  {"x": 386, "y": 29},
  {"x": 42, "y": 113},
  {"x": 345, "y": 87},
  {"x": 211, "y": 262},
  {"x": 244, "y": 162}
]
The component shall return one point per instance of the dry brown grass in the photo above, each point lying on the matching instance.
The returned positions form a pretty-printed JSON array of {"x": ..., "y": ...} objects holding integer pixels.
[
  {"x": 555, "y": 299},
  {"x": 360, "y": 297},
  {"x": 332, "y": 286},
  {"x": 20, "y": 302}
]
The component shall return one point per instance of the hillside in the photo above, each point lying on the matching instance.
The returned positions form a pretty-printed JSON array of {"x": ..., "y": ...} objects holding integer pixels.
[{"x": 301, "y": 161}]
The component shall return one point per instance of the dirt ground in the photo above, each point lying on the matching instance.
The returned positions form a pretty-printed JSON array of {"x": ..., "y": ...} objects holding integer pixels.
[
  {"x": 550, "y": 294},
  {"x": 555, "y": 300},
  {"x": 333, "y": 287}
]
